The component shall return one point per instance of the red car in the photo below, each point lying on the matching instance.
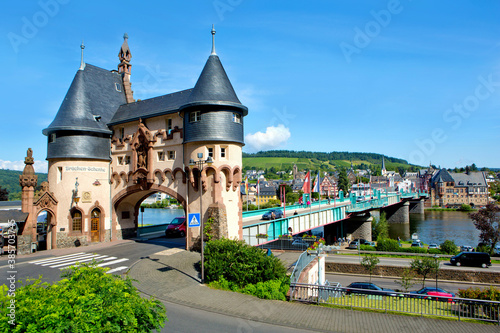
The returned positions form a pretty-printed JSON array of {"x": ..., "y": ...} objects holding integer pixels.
[{"x": 176, "y": 227}]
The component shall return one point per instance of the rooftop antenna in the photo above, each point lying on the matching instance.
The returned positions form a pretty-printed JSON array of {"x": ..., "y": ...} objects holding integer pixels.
[
  {"x": 213, "y": 41},
  {"x": 82, "y": 64}
]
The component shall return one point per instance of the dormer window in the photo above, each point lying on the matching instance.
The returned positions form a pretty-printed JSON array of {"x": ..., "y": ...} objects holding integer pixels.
[
  {"x": 236, "y": 117},
  {"x": 194, "y": 116},
  {"x": 118, "y": 87},
  {"x": 52, "y": 138},
  {"x": 97, "y": 118}
]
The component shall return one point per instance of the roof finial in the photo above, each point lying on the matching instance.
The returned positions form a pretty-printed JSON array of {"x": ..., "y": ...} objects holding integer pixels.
[
  {"x": 125, "y": 36},
  {"x": 213, "y": 40},
  {"x": 82, "y": 64}
]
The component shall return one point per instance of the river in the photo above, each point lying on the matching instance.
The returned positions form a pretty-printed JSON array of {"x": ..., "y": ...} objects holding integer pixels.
[{"x": 436, "y": 227}]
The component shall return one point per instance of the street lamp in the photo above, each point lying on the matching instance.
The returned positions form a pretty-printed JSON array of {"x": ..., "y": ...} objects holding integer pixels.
[
  {"x": 436, "y": 257},
  {"x": 200, "y": 163}
]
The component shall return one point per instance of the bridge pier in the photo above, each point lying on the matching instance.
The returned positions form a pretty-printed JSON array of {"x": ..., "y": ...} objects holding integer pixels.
[
  {"x": 399, "y": 213},
  {"x": 359, "y": 226},
  {"x": 417, "y": 206}
]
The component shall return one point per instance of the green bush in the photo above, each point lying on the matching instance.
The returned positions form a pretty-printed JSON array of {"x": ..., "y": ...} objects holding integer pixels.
[
  {"x": 434, "y": 251},
  {"x": 240, "y": 263},
  {"x": 465, "y": 208},
  {"x": 490, "y": 293},
  {"x": 449, "y": 247},
  {"x": 483, "y": 248},
  {"x": 367, "y": 248},
  {"x": 86, "y": 300},
  {"x": 387, "y": 245}
]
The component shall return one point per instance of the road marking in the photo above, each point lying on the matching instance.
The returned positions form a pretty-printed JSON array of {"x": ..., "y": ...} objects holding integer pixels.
[
  {"x": 169, "y": 252},
  {"x": 37, "y": 262},
  {"x": 74, "y": 259},
  {"x": 112, "y": 262},
  {"x": 116, "y": 269},
  {"x": 78, "y": 259},
  {"x": 75, "y": 262}
]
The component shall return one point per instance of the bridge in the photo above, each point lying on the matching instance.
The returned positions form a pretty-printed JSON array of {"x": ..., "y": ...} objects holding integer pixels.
[{"x": 339, "y": 217}]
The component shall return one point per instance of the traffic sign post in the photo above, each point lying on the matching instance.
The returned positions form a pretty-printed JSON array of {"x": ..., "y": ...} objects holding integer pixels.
[{"x": 194, "y": 220}]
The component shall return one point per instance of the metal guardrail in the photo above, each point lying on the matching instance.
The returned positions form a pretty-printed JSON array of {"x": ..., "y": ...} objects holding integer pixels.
[
  {"x": 304, "y": 260},
  {"x": 439, "y": 306}
]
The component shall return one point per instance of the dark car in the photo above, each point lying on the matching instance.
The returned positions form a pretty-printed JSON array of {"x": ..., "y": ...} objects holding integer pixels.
[
  {"x": 177, "y": 227},
  {"x": 481, "y": 259},
  {"x": 428, "y": 292},
  {"x": 278, "y": 214},
  {"x": 368, "y": 289},
  {"x": 355, "y": 243}
]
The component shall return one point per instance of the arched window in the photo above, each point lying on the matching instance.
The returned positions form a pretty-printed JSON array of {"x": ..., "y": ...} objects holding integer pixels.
[{"x": 76, "y": 217}]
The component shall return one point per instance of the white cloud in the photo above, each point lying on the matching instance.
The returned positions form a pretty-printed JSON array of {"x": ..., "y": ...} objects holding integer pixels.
[
  {"x": 274, "y": 137},
  {"x": 40, "y": 166}
]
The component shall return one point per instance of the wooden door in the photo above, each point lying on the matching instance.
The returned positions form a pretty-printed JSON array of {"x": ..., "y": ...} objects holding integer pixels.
[{"x": 94, "y": 225}]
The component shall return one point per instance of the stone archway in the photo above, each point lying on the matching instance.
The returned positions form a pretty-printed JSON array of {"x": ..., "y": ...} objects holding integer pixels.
[
  {"x": 46, "y": 230},
  {"x": 126, "y": 206}
]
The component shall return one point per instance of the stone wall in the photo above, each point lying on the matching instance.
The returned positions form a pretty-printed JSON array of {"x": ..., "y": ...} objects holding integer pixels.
[
  {"x": 394, "y": 271},
  {"x": 126, "y": 233},
  {"x": 23, "y": 244},
  {"x": 399, "y": 213},
  {"x": 65, "y": 241},
  {"x": 217, "y": 211}
]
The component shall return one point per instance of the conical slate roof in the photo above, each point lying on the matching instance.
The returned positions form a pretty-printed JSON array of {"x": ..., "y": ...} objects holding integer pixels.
[
  {"x": 213, "y": 87},
  {"x": 90, "y": 103}
]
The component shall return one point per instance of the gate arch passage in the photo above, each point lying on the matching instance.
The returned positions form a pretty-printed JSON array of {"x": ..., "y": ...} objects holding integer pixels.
[{"x": 126, "y": 206}]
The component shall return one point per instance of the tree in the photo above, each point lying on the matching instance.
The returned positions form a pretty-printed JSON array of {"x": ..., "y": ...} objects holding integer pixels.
[
  {"x": 401, "y": 171},
  {"x": 4, "y": 194},
  {"x": 380, "y": 228},
  {"x": 487, "y": 221},
  {"x": 343, "y": 182},
  {"x": 424, "y": 266},
  {"x": 449, "y": 247},
  {"x": 86, "y": 300},
  {"x": 369, "y": 262},
  {"x": 407, "y": 279}
]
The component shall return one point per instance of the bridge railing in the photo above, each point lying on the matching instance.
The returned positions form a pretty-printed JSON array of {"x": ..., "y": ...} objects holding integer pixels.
[
  {"x": 422, "y": 305},
  {"x": 269, "y": 230}
]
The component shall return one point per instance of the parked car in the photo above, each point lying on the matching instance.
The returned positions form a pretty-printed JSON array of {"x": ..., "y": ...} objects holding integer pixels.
[
  {"x": 278, "y": 214},
  {"x": 466, "y": 248},
  {"x": 427, "y": 292},
  {"x": 177, "y": 227},
  {"x": 481, "y": 259},
  {"x": 433, "y": 246},
  {"x": 368, "y": 289},
  {"x": 417, "y": 244},
  {"x": 370, "y": 244},
  {"x": 353, "y": 245}
]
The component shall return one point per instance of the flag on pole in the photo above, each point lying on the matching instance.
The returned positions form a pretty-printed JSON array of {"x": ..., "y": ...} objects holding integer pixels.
[
  {"x": 306, "y": 188},
  {"x": 258, "y": 185},
  {"x": 316, "y": 184},
  {"x": 246, "y": 186}
]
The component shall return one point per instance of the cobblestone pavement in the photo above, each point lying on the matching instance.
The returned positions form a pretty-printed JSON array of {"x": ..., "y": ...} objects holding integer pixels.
[{"x": 171, "y": 275}]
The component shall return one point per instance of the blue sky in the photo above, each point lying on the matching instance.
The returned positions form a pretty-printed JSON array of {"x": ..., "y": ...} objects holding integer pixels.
[{"x": 418, "y": 80}]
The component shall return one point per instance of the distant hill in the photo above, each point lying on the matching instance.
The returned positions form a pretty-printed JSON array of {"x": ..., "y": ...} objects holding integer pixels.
[
  {"x": 305, "y": 160},
  {"x": 9, "y": 179}
]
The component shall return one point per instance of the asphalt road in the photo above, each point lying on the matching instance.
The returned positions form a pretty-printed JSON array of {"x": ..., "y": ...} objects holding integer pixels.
[
  {"x": 124, "y": 254},
  {"x": 388, "y": 282}
]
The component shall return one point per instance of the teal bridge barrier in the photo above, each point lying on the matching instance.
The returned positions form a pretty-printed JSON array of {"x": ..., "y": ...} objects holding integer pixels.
[{"x": 269, "y": 230}]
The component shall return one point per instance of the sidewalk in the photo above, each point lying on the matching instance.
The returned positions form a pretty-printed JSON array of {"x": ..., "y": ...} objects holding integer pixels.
[{"x": 171, "y": 275}]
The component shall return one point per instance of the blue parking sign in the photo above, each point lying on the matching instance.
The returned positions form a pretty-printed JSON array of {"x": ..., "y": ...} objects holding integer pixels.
[{"x": 193, "y": 220}]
